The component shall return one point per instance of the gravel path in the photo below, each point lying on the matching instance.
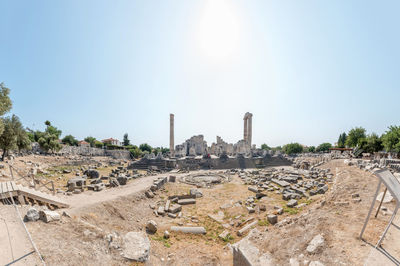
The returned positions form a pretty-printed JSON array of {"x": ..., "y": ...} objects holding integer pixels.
[{"x": 89, "y": 198}]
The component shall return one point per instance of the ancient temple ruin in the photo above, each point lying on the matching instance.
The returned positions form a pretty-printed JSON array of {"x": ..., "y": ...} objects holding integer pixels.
[
  {"x": 197, "y": 146},
  {"x": 194, "y": 153}
]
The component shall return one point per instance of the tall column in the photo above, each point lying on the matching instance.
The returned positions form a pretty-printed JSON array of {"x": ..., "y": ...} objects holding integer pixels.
[
  {"x": 249, "y": 129},
  {"x": 245, "y": 127},
  {"x": 171, "y": 135}
]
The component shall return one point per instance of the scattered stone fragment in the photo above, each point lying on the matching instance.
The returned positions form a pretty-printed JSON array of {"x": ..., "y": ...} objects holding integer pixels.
[
  {"x": 174, "y": 200},
  {"x": 171, "y": 215},
  {"x": 149, "y": 194},
  {"x": 91, "y": 173},
  {"x": 161, "y": 211},
  {"x": 166, "y": 234},
  {"x": 66, "y": 214},
  {"x": 253, "y": 189},
  {"x": 48, "y": 216},
  {"x": 218, "y": 217},
  {"x": 186, "y": 201},
  {"x": 175, "y": 208},
  {"x": 32, "y": 215},
  {"x": 250, "y": 209},
  {"x": 189, "y": 230},
  {"x": 356, "y": 200},
  {"x": 167, "y": 204},
  {"x": 99, "y": 187},
  {"x": 260, "y": 195},
  {"x": 226, "y": 206},
  {"x": 272, "y": 219},
  {"x": 388, "y": 197},
  {"x": 172, "y": 178},
  {"x": 114, "y": 182},
  {"x": 263, "y": 208},
  {"x": 151, "y": 227},
  {"x": 246, "y": 228},
  {"x": 136, "y": 246},
  {"x": 122, "y": 180},
  {"x": 315, "y": 244},
  {"x": 195, "y": 192},
  {"x": 291, "y": 203},
  {"x": 224, "y": 234}
]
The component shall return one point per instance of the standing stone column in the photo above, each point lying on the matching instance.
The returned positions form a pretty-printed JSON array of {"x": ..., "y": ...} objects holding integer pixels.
[
  {"x": 249, "y": 129},
  {"x": 171, "y": 135},
  {"x": 245, "y": 128}
]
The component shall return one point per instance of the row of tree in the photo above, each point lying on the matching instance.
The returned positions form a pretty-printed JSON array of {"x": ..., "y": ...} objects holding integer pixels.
[
  {"x": 295, "y": 147},
  {"x": 358, "y": 137}
]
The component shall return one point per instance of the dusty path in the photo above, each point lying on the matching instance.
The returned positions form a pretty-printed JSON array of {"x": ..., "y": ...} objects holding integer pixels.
[
  {"x": 89, "y": 198},
  {"x": 14, "y": 242}
]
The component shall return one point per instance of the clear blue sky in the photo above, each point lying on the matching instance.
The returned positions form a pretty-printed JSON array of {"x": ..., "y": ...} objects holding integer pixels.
[{"x": 307, "y": 70}]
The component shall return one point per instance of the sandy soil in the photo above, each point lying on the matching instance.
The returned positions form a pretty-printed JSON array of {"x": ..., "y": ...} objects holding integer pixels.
[
  {"x": 80, "y": 239},
  {"x": 14, "y": 242}
]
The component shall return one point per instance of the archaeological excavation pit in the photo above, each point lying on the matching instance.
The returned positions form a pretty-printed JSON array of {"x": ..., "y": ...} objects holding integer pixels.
[{"x": 205, "y": 179}]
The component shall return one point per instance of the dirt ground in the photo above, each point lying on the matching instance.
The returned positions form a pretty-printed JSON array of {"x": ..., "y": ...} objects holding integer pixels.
[{"x": 81, "y": 238}]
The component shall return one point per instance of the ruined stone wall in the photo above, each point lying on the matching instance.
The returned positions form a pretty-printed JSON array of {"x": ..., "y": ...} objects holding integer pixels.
[
  {"x": 89, "y": 151},
  {"x": 229, "y": 163}
]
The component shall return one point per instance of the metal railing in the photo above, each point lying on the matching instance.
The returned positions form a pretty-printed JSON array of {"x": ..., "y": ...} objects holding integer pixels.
[{"x": 37, "y": 183}]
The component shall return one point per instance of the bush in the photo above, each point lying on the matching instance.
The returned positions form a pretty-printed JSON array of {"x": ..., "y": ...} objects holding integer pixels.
[
  {"x": 265, "y": 147},
  {"x": 136, "y": 152},
  {"x": 292, "y": 148},
  {"x": 311, "y": 149},
  {"x": 98, "y": 144},
  {"x": 391, "y": 139},
  {"x": 70, "y": 140},
  {"x": 145, "y": 147},
  {"x": 324, "y": 147}
]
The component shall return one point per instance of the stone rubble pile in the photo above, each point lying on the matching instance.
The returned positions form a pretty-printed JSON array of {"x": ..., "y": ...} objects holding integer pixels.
[{"x": 291, "y": 184}]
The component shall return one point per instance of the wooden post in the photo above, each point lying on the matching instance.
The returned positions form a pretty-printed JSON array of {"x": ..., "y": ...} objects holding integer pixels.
[
  {"x": 52, "y": 185},
  {"x": 34, "y": 183},
  {"x": 12, "y": 175}
]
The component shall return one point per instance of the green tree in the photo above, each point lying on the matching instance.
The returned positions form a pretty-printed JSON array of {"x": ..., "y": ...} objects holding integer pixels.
[
  {"x": 135, "y": 151},
  {"x": 70, "y": 140},
  {"x": 372, "y": 143},
  {"x": 5, "y": 103},
  {"x": 311, "y": 149},
  {"x": 265, "y": 147},
  {"x": 91, "y": 141},
  {"x": 98, "y": 144},
  {"x": 391, "y": 139},
  {"x": 13, "y": 136},
  {"x": 145, "y": 147},
  {"x": 126, "y": 141},
  {"x": 292, "y": 148},
  {"x": 277, "y": 148},
  {"x": 324, "y": 147},
  {"x": 48, "y": 140},
  {"x": 23, "y": 140},
  {"x": 342, "y": 140},
  {"x": 354, "y": 136},
  {"x": 164, "y": 150}
]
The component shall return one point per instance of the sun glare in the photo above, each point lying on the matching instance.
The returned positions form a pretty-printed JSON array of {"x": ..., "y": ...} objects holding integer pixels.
[{"x": 218, "y": 30}]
